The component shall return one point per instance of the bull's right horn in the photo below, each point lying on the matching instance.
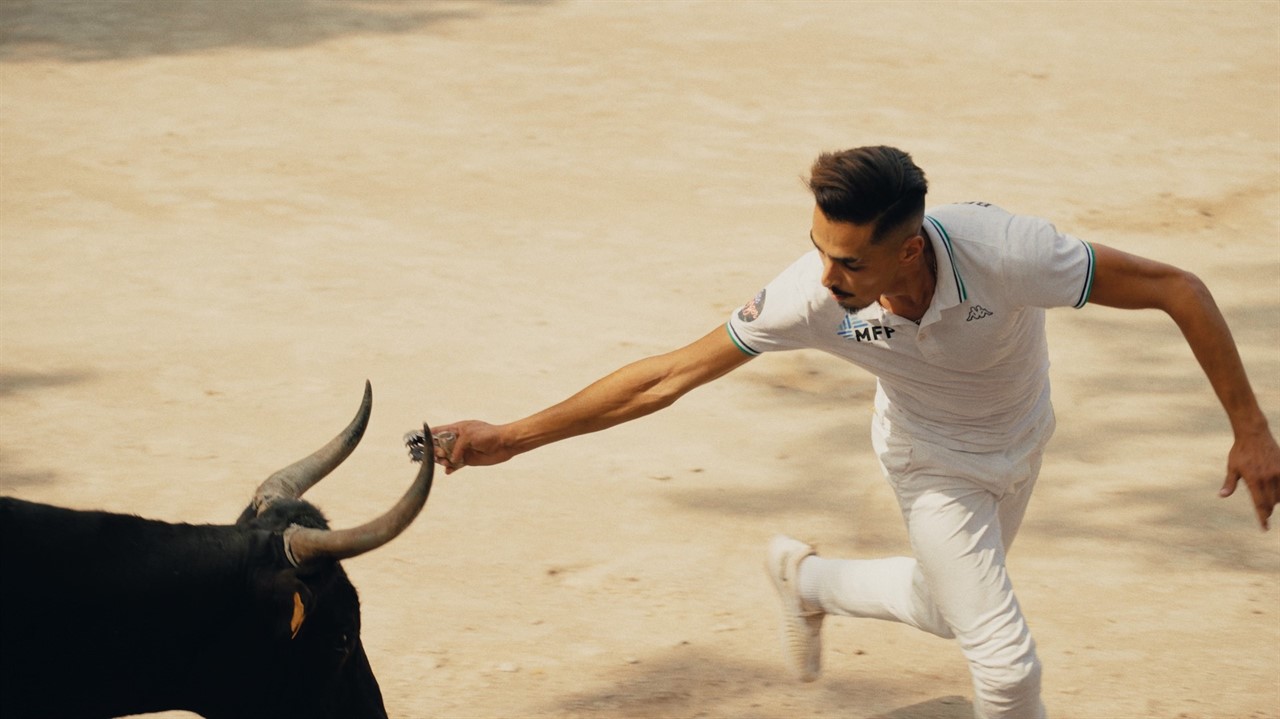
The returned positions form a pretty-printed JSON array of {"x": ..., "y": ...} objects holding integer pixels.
[
  {"x": 292, "y": 481},
  {"x": 305, "y": 544}
]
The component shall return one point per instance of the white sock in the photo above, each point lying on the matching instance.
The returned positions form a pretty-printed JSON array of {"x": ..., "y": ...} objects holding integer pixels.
[{"x": 810, "y": 579}]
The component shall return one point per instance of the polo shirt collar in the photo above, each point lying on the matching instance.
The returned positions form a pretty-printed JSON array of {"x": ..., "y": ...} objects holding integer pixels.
[{"x": 949, "y": 290}]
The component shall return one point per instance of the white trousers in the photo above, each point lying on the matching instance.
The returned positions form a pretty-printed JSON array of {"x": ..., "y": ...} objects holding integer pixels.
[{"x": 962, "y": 511}]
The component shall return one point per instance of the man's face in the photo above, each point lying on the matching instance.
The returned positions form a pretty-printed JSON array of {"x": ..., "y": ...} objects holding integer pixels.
[{"x": 854, "y": 270}]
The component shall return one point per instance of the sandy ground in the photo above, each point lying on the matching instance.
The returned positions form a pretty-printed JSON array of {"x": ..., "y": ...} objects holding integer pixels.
[{"x": 217, "y": 219}]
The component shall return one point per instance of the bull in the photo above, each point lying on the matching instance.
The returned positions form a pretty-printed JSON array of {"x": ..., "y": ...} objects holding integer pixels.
[{"x": 104, "y": 614}]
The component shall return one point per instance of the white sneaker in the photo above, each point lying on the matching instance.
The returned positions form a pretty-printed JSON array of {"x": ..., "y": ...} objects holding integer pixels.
[{"x": 801, "y": 623}]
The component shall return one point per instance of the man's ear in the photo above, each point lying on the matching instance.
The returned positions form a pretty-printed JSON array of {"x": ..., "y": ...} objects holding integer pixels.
[{"x": 911, "y": 250}]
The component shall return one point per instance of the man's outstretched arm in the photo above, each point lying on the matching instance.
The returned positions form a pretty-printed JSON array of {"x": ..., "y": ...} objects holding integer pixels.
[
  {"x": 638, "y": 389},
  {"x": 1131, "y": 282}
]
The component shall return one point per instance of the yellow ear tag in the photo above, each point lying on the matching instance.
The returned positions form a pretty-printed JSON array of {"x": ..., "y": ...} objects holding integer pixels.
[{"x": 299, "y": 614}]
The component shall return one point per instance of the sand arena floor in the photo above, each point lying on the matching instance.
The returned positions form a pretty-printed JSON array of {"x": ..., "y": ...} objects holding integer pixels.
[{"x": 217, "y": 219}]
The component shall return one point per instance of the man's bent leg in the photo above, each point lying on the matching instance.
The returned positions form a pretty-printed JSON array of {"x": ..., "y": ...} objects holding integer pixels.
[
  {"x": 890, "y": 588},
  {"x": 894, "y": 588},
  {"x": 956, "y": 535}
]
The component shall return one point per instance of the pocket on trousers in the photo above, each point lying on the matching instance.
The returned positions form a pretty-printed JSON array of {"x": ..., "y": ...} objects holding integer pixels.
[{"x": 893, "y": 451}]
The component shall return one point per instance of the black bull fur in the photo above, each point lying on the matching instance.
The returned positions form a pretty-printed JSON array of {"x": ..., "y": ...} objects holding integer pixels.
[{"x": 106, "y": 614}]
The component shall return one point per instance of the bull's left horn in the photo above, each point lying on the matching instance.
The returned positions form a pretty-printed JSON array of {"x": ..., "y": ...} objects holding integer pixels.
[
  {"x": 292, "y": 481},
  {"x": 304, "y": 544}
]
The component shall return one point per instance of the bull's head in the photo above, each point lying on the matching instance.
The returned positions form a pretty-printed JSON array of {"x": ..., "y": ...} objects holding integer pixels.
[
  {"x": 313, "y": 610},
  {"x": 309, "y": 545}
]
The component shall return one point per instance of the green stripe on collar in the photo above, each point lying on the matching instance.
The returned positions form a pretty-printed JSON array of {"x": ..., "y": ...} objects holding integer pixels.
[{"x": 951, "y": 257}]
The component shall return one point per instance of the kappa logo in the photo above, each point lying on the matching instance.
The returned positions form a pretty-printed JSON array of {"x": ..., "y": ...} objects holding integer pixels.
[
  {"x": 977, "y": 312},
  {"x": 751, "y": 311},
  {"x": 859, "y": 330}
]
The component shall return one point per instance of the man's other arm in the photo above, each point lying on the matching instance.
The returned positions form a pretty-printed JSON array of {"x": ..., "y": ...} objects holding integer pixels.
[{"x": 1130, "y": 282}]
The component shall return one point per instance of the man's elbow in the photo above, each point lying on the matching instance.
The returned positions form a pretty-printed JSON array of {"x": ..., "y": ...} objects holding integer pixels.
[{"x": 1184, "y": 289}]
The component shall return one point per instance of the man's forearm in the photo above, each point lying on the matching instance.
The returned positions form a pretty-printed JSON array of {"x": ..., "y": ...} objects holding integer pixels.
[
  {"x": 631, "y": 392},
  {"x": 638, "y": 389},
  {"x": 1197, "y": 315}
]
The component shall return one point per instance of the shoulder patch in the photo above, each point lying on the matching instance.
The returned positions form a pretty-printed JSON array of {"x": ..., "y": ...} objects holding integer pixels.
[{"x": 751, "y": 311}]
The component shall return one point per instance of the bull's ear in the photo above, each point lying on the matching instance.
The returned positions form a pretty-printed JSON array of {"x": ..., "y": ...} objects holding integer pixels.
[
  {"x": 290, "y": 608},
  {"x": 299, "y": 615}
]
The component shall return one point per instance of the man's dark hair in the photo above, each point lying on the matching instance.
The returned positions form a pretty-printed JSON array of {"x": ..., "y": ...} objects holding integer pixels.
[{"x": 876, "y": 185}]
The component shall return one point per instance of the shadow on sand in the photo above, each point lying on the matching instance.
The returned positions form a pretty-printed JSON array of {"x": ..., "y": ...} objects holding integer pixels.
[
  {"x": 14, "y": 384},
  {"x": 121, "y": 29},
  {"x": 690, "y": 681}
]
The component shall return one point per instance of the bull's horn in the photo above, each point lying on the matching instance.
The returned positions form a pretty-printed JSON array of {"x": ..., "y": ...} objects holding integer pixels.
[
  {"x": 292, "y": 481},
  {"x": 304, "y": 544}
]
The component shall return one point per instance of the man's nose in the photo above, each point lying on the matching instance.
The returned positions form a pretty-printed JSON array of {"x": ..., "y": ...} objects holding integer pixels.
[{"x": 828, "y": 278}]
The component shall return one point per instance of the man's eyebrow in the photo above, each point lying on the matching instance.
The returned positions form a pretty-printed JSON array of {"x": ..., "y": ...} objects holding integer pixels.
[{"x": 841, "y": 260}]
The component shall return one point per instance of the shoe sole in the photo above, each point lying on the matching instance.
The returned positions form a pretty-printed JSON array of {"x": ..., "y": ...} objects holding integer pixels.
[{"x": 801, "y": 631}]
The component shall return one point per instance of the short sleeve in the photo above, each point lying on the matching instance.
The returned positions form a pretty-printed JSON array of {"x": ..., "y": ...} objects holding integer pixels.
[
  {"x": 778, "y": 316},
  {"x": 1044, "y": 267}
]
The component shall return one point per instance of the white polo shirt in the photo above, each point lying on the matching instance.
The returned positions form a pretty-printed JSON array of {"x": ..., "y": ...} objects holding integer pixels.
[{"x": 973, "y": 375}]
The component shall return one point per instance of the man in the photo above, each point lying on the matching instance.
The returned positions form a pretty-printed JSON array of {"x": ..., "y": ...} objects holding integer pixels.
[{"x": 947, "y": 310}]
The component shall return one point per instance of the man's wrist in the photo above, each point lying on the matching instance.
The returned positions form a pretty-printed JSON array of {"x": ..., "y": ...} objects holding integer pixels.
[
  {"x": 517, "y": 438},
  {"x": 1253, "y": 427}
]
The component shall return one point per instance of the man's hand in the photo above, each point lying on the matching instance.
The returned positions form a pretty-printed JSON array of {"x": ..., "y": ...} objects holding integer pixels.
[
  {"x": 476, "y": 443},
  {"x": 1256, "y": 460}
]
